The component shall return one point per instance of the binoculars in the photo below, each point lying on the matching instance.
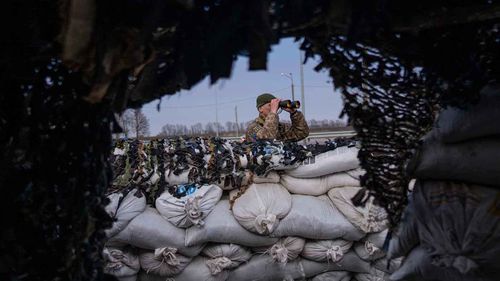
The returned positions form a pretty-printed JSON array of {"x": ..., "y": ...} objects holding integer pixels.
[{"x": 289, "y": 104}]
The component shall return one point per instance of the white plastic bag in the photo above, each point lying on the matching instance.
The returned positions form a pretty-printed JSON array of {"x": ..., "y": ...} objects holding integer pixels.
[
  {"x": 316, "y": 218},
  {"x": 370, "y": 247},
  {"x": 317, "y": 186},
  {"x": 326, "y": 250},
  {"x": 261, "y": 207},
  {"x": 191, "y": 209},
  {"x": 131, "y": 205},
  {"x": 150, "y": 230},
  {"x": 163, "y": 261},
  {"x": 333, "y": 276},
  {"x": 225, "y": 257},
  {"x": 222, "y": 227},
  {"x": 285, "y": 250},
  {"x": 370, "y": 218},
  {"x": 120, "y": 263},
  {"x": 339, "y": 160}
]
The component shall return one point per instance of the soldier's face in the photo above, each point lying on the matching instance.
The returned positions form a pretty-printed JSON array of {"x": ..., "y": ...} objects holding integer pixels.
[{"x": 265, "y": 109}]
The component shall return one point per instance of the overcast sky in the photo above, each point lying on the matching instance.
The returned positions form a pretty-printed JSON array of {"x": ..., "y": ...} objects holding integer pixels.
[{"x": 199, "y": 103}]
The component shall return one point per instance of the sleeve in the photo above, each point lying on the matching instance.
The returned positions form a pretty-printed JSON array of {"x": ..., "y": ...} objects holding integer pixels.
[
  {"x": 297, "y": 131},
  {"x": 270, "y": 128}
]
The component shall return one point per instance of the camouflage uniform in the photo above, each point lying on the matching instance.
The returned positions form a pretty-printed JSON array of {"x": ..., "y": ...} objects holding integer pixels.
[{"x": 270, "y": 128}]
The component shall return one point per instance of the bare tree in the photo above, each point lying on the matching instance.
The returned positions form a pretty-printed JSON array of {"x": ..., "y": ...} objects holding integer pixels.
[{"x": 134, "y": 123}]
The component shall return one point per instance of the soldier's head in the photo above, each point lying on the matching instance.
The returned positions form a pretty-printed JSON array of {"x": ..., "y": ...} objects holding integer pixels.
[{"x": 264, "y": 103}]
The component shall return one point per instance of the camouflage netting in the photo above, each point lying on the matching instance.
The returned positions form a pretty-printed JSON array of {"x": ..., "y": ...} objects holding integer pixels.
[{"x": 394, "y": 65}]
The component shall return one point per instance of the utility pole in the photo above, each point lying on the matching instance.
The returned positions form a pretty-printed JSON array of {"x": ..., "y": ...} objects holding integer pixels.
[
  {"x": 302, "y": 97},
  {"x": 216, "y": 113},
  {"x": 290, "y": 76},
  {"x": 237, "y": 124},
  {"x": 136, "y": 113}
]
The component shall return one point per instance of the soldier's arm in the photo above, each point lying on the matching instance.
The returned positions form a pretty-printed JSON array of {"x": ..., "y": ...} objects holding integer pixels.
[
  {"x": 270, "y": 128},
  {"x": 298, "y": 130}
]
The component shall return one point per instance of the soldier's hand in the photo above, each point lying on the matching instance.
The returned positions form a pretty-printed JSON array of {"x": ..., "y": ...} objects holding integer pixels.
[{"x": 275, "y": 104}]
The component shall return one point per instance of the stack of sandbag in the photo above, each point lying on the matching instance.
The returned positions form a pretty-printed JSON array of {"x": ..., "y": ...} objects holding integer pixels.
[
  {"x": 285, "y": 224},
  {"x": 450, "y": 229}
]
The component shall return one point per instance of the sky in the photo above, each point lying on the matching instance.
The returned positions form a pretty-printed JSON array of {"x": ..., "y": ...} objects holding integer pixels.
[{"x": 205, "y": 103}]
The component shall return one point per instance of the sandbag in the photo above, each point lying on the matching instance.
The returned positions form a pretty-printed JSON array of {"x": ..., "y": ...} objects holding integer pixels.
[
  {"x": 317, "y": 186},
  {"x": 326, "y": 250},
  {"x": 370, "y": 218},
  {"x": 373, "y": 275},
  {"x": 261, "y": 207},
  {"x": 271, "y": 177},
  {"x": 198, "y": 270},
  {"x": 222, "y": 227},
  {"x": 120, "y": 263},
  {"x": 173, "y": 179},
  {"x": 460, "y": 225},
  {"x": 262, "y": 268},
  {"x": 476, "y": 161},
  {"x": 370, "y": 247},
  {"x": 316, "y": 218},
  {"x": 388, "y": 265},
  {"x": 285, "y": 250},
  {"x": 225, "y": 257},
  {"x": 150, "y": 230},
  {"x": 334, "y": 161},
  {"x": 191, "y": 209},
  {"x": 333, "y": 276},
  {"x": 123, "y": 208},
  {"x": 474, "y": 121},
  {"x": 163, "y": 262},
  {"x": 418, "y": 265}
]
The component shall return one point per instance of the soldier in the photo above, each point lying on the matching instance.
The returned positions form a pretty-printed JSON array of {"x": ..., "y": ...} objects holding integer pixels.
[{"x": 267, "y": 125}]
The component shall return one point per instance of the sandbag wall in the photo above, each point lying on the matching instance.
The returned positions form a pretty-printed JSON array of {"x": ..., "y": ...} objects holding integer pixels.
[
  {"x": 285, "y": 214},
  {"x": 451, "y": 228}
]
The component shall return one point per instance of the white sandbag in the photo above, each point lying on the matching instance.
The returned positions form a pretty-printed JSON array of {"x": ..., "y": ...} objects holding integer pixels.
[
  {"x": 476, "y": 161},
  {"x": 131, "y": 205},
  {"x": 317, "y": 186},
  {"x": 474, "y": 121},
  {"x": 163, "y": 262},
  {"x": 191, "y": 209},
  {"x": 459, "y": 224},
  {"x": 261, "y": 207},
  {"x": 222, "y": 227},
  {"x": 370, "y": 247},
  {"x": 271, "y": 177},
  {"x": 418, "y": 265},
  {"x": 370, "y": 218},
  {"x": 388, "y": 265},
  {"x": 333, "y": 276},
  {"x": 334, "y": 161},
  {"x": 316, "y": 218},
  {"x": 225, "y": 257},
  {"x": 198, "y": 270},
  {"x": 150, "y": 230},
  {"x": 262, "y": 268},
  {"x": 173, "y": 179},
  {"x": 373, "y": 275},
  {"x": 120, "y": 263},
  {"x": 285, "y": 250},
  {"x": 326, "y": 250}
]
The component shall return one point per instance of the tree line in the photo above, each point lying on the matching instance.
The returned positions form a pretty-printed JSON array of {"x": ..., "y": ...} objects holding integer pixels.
[{"x": 136, "y": 125}]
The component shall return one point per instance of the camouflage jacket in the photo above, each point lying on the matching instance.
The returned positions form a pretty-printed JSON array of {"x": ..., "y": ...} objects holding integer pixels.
[{"x": 270, "y": 128}]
